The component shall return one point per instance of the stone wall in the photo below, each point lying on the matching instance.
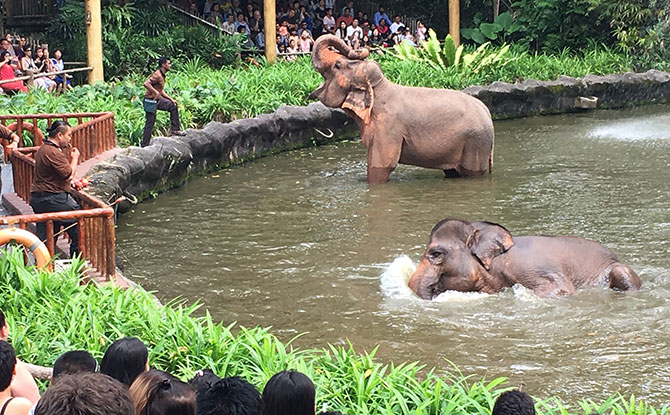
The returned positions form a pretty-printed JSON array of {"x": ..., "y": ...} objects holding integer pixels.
[{"x": 170, "y": 162}]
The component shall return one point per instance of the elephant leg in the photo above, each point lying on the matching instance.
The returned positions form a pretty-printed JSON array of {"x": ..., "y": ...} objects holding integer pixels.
[
  {"x": 623, "y": 278},
  {"x": 382, "y": 160},
  {"x": 451, "y": 174}
]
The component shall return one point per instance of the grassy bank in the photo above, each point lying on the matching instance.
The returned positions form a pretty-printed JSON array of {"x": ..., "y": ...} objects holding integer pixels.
[
  {"x": 205, "y": 94},
  {"x": 52, "y": 313}
]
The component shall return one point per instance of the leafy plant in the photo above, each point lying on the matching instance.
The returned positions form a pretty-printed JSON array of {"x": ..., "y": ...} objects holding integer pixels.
[{"x": 500, "y": 29}]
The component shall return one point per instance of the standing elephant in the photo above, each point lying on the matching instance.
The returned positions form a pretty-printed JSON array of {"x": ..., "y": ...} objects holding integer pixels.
[
  {"x": 485, "y": 257},
  {"x": 433, "y": 128}
]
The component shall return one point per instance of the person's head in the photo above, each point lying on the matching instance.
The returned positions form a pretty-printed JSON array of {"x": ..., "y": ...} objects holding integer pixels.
[
  {"x": 288, "y": 393},
  {"x": 164, "y": 63},
  {"x": 76, "y": 361},
  {"x": 329, "y": 11},
  {"x": 9, "y": 37},
  {"x": 60, "y": 133},
  {"x": 514, "y": 402},
  {"x": 375, "y": 32},
  {"x": 250, "y": 8},
  {"x": 236, "y": 3},
  {"x": 304, "y": 34},
  {"x": 125, "y": 359},
  {"x": 229, "y": 396},
  {"x": 5, "y": 44},
  {"x": 296, "y": 5},
  {"x": 39, "y": 53},
  {"x": 343, "y": 25},
  {"x": 85, "y": 394},
  {"x": 203, "y": 379},
  {"x": 45, "y": 52},
  {"x": 5, "y": 55},
  {"x": 58, "y": 54},
  {"x": 22, "y": 41},
  {"x": 7, "y": 364},
  {"x": 382, "y": 23},
  {"x": 347, "y": 11},
  {"x": 291, "y": 13},
  {"x": 354, "y": 23},
  {"x": 396, "y": 18},
  {"x": 257, "y": 14},
  {"x": 419, "y": 23},
  {"x": 230, "y": 18},
  {"x": 28, "y": 52},
  {"x": 322, "y": 3},
  {"x": 400, "y": 30},
  {"x": 240, "y": 17},
  {"x": 216, "y": 8},
  {"x": 381, "y": 9},
  {"x": 242, "y": 29},
  {"x": 4, "y": 327},
  {"x": 159, "y": 393}
]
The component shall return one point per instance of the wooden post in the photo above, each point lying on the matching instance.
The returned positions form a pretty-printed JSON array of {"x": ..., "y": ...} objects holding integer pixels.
[
  {"x": 496, "y": 9},
  {"x": 455, "y": 21},
  {"x": 94, "y": 41},
  {"x": 270, "y": 30}
]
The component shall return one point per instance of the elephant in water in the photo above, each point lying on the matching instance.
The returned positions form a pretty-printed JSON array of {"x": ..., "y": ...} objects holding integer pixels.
[
  {"x": 485, "y": 257},
  {"x": 434, "y": 128}
]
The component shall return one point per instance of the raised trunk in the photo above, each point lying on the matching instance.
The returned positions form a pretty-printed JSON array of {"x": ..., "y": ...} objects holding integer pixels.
[{"x": 322, "y": 58}]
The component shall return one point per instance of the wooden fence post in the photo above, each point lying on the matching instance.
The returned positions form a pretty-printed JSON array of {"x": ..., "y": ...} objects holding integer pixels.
[
  {"x": 455, "y": 21},
  {"x": 270, "y": 30},
  {"x": 94, "y": 41}
]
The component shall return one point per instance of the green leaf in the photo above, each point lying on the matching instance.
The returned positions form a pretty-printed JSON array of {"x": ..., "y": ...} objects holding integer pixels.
[
  {"x": 490, "y": 30},
  {"x": 505, "y": 20}
]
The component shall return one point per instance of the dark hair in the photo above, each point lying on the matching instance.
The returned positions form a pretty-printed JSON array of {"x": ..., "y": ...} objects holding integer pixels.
[
  {"x": 75, "y": 361},
  {"x": 3, "y": 320},
  {"x": 7, "y": 364},
  {"x": 203, "y": 379},
  {"x": 162, "y": 60},
  {"x": 170, "y": 397},
  {"x": 229, "y": 396},
  {"x": 3, "y": 53},
  {"x": 514, "y": 402},
  {"x": 125, "y": 359},
  {"x": 58, "y": 126},
  {"x": 288, "y": 393},
  {"x": 85, "y": 394}
]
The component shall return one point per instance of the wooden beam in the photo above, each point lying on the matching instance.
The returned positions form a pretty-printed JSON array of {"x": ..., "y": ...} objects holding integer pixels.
[
  {"x": 270, "y": 30},
  {"x": 94, "y": 41},
  {"x": 455, "y": 21}
]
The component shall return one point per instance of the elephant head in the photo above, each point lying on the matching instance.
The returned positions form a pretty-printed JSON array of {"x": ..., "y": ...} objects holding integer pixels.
[
  {"x": 458, "y": 257},
  {"x": 349, "y": 79}
]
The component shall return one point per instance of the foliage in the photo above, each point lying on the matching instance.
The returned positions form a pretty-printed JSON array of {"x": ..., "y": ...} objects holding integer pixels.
[
  {"x": 51, "y": 313},
  {"x": 500, "y": 29}
]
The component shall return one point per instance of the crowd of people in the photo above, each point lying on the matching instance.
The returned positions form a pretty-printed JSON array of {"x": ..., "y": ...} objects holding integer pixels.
[
  {"x": 299, "y": 23},
  {"x": 17, "y": 59},
  {"x": 124, "y": 384}
]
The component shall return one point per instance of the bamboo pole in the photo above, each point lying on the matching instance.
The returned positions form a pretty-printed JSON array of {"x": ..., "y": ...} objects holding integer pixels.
[
  {"x": 455, "y": 21},
  {"x": 270, "y": 30},
  {"x": 94, "y": 41}
]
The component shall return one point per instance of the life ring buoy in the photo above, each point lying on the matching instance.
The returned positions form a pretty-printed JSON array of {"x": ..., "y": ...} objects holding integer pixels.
[
  {"x": 30, "y": 241},
  {"x": 38, "y": 137}
]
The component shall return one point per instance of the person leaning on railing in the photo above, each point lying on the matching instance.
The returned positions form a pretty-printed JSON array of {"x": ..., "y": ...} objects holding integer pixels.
[{"x": 51, "y": 182}]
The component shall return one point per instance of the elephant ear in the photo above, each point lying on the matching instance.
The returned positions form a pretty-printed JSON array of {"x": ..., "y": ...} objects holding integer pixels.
[
  {"x": 361, "y": 97},
  {"x": 488, "y": 240}
]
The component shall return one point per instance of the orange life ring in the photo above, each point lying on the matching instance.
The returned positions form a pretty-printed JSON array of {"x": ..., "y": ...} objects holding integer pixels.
[{"x": 30, "y": 241}]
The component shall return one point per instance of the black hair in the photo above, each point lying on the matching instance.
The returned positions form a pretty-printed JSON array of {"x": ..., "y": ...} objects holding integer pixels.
[
  {"x": 58, "y": 126},
  {"x": 125, "y": 359},
  {"x": 241, "y": 28},
  {"x": 75, "y": 361},
  {"x": 162, "y": 60},
  {"x": 203, "y": 379},
  {"x": 288, "y": 393},
  {"x": 229, "y": 396},
  {"x": 514, "y": 402},
  {"x": 171, "y": 397},
  {"x": 3, "y": 320},
  {"x": 7, "y": 364},
  {"x": 3, "y": 53}
]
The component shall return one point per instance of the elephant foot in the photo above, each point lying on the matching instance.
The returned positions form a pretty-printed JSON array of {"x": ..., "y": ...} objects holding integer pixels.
[
  {"x": 451, "y": 174},
  {"x": 377, "y": 175},
  {"x": 623, "y": 278}
]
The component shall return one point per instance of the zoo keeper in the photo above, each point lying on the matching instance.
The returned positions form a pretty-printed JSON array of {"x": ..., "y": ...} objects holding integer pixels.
[
  {"x": 54, "y": 171},
  {"x": 156, "y": 99}
]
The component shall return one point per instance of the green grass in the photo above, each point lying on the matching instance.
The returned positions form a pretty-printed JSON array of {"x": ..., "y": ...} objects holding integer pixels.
[
  {"x": 51, "y": 313},
  {"x": 207, "y": 94}
]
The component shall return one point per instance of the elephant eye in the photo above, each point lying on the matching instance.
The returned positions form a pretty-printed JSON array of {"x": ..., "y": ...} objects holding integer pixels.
[
  {"x": 337, "y": 65},
  {"x": 435, "y": 254}
]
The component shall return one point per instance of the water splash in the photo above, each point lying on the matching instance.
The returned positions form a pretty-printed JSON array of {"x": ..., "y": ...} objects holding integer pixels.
[{"x": 652, "y": 128}]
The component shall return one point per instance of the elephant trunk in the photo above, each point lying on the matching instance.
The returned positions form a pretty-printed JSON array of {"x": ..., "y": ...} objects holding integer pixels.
[
  {"x": 420, "y": 281},
  {"x": 323, "y": 58}
]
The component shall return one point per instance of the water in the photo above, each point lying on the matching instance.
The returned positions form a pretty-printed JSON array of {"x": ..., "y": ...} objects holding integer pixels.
[{"x": 300, "y": 242}]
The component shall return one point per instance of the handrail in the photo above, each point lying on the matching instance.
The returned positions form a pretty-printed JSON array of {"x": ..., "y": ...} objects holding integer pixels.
[{"x": 43, "y": 74}]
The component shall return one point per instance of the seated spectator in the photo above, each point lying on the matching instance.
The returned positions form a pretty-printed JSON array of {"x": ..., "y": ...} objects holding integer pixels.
[
  {"x": 305, "y": 18},
  {"x": 249, "y": 13},
  {"x": 139, "y": 389},
  {"x": 381, "y": 15},
  {"x": 27, "y": 63},
  {"x": 281, "y": 50},
  {"x": 354, "y": 34},
  {"x": 293, "y": 36},
  {"x": 10, "y": 405},
  {"x": 376, "y": 39},
  {"x": 215, "y": 15},
  {"x": 19, "y": 48},
  {"x": 203, "y": 379},
  {"x": 62, "y": 81},
  {"x": 43, "y": 65},
  {"x": 329, "y": 22},
  {"x": 341, "y": 31},
  {"x": 350, "y": 6},
  {"x": 159, "y": 393},
  {"x": 241, "y": 22},
  {"x": 384, "y": 31},
  {"x": 306, "y": 41},
  {"x": 292, "y": 50},
  {"x": 396, "y": 24},
  {"x": 303, "y": 28},
  {"x": 420, "y": 31},
  {"x": 318, "y": 13},
  {"x": 207, "y": 7},
  {"x": 246, "y": 40},
  {"x": 288, "y": 393},
  {"x": 292, "y": 19},
  {"x": 231, "y": 396},
  {"x": 365, "y": 42},
  {"x": 85, "y": 394},
  {"x": 256, "y": 25},
  {"x": 229, "y": 26},
  {"x": 514, "y": 402},
  {"x": 408, "y": 37},
  {"x": 125, "y": 359},
  {"x": 282, "y": 41},
  {"x": 235, "y": 9},
  {"x": 7, "y": 72},
  {"x": 282, "y": 31},
  {"x": 346, "y": 18},
  {"x": 76, "y": 361}
]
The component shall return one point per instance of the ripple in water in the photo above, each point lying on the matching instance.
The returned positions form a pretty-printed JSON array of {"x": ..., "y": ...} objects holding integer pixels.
[{"x": 652, "y": 128}]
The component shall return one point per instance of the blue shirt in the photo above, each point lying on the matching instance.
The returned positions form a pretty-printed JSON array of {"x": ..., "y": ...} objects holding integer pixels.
[{"x": 379, "y": 16}]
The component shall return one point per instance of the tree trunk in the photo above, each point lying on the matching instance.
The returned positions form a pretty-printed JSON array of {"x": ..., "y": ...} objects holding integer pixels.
[{"x": 496, "y": 9}]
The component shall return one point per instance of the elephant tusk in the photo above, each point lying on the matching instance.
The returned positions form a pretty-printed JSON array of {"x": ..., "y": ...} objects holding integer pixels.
[{"x": 323, "y": 134}]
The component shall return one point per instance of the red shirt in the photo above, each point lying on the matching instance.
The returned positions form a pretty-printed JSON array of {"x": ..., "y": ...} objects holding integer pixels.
[{"x": 346, "y": 19}]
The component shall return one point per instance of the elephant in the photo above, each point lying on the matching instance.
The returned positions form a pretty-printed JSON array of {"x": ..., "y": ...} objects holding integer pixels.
[
  {"x": 485, "y": 257},
  {"x": 433, "y": 128}
]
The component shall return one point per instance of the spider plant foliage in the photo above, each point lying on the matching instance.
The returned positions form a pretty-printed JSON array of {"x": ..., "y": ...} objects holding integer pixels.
[{"x": 441, "y": 57}]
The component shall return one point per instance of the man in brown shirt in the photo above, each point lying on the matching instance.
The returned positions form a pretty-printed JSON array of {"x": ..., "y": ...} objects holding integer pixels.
[
  {"x": 156, "y": 99},
  {"x": 54, "y": 171}
]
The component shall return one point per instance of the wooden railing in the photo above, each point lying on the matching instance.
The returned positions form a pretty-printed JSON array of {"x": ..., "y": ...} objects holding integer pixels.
[
  {"x": 95, "y": 220},
  {"x": 93, "y": 133}
]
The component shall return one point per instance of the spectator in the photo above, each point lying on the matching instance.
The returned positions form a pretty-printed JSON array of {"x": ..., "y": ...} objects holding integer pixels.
[
  {"x": 514, "y": 402},
  {"x": 27, "y": 63},
  {"x": 375, "y": 38},
  {"x": 229, "y": 26},
  {"x": 329, "y": 4},
  {"x": 215, "y": 15},
  {"x": 7, "y": 72},
  {"x": 241, "y": 22},
  {"x": 85, "y": 394},
  {"x": 246, "y": 40},
  {"x": 235, "y": 9},
  {"x": 350, "y": 6},
  {"x": 408, "y": 37},
  {"x": 319, "y": 12},
  {"x": 420, "y": 31},
  {"x": 62, "y": 81},
  {"x": 23, "y": 384},
  {"x": 139, "y": 389},
  {"x": 292, "y": 50},
  {"x": 288, "y": 393},
  {"x": 282, "y": 31},
  {"x": 156, "y": 99},
  {"x": 294, "y": 37},
  {"x": 256, "y": 25},
  {"x": 305, "y": 17},
  {"x": 55, "y": 167},
  {"x": 381, "y": 15},
  {"x": 43, "y": 64},
  {"x": 10, "y": 405},
  {"x": 19, "y": 48},
  {"x": 341, "y": 31},
  {"x": 203, "y": 379},
  {"x": 292, "y": 19},
  {"x": 329, "y": 22},
  {"x": 76, "y": 361},
  {"x": 249, "y": 13},
  {"x": 354, "y": 34},
  {"x": 6, "y": 45},
  {"x": 303, "y": 28},
  {"x": 125, "y": 359},
  {"x": 306, "y": 41},
  {"x": 384, "y": 31},
  {"x": 159, "y": 393},
  {"x": 231, "y": 396},
  {"x": 396, "y": 24},
  {"x": 365, "y": 42},
  {"x": 207, "y": 7},
  {"x": 282, "y": 42},
  {"x": 346, "y": 18}
]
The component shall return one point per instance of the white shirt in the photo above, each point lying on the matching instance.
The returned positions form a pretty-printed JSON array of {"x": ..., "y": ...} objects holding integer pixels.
[
  {"x": 357, "y": 33},
  {"x": 394, "y": 26}
]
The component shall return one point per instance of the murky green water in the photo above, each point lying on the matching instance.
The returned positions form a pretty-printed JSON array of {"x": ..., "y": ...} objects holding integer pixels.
[{"x": 298, "y": 241}]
